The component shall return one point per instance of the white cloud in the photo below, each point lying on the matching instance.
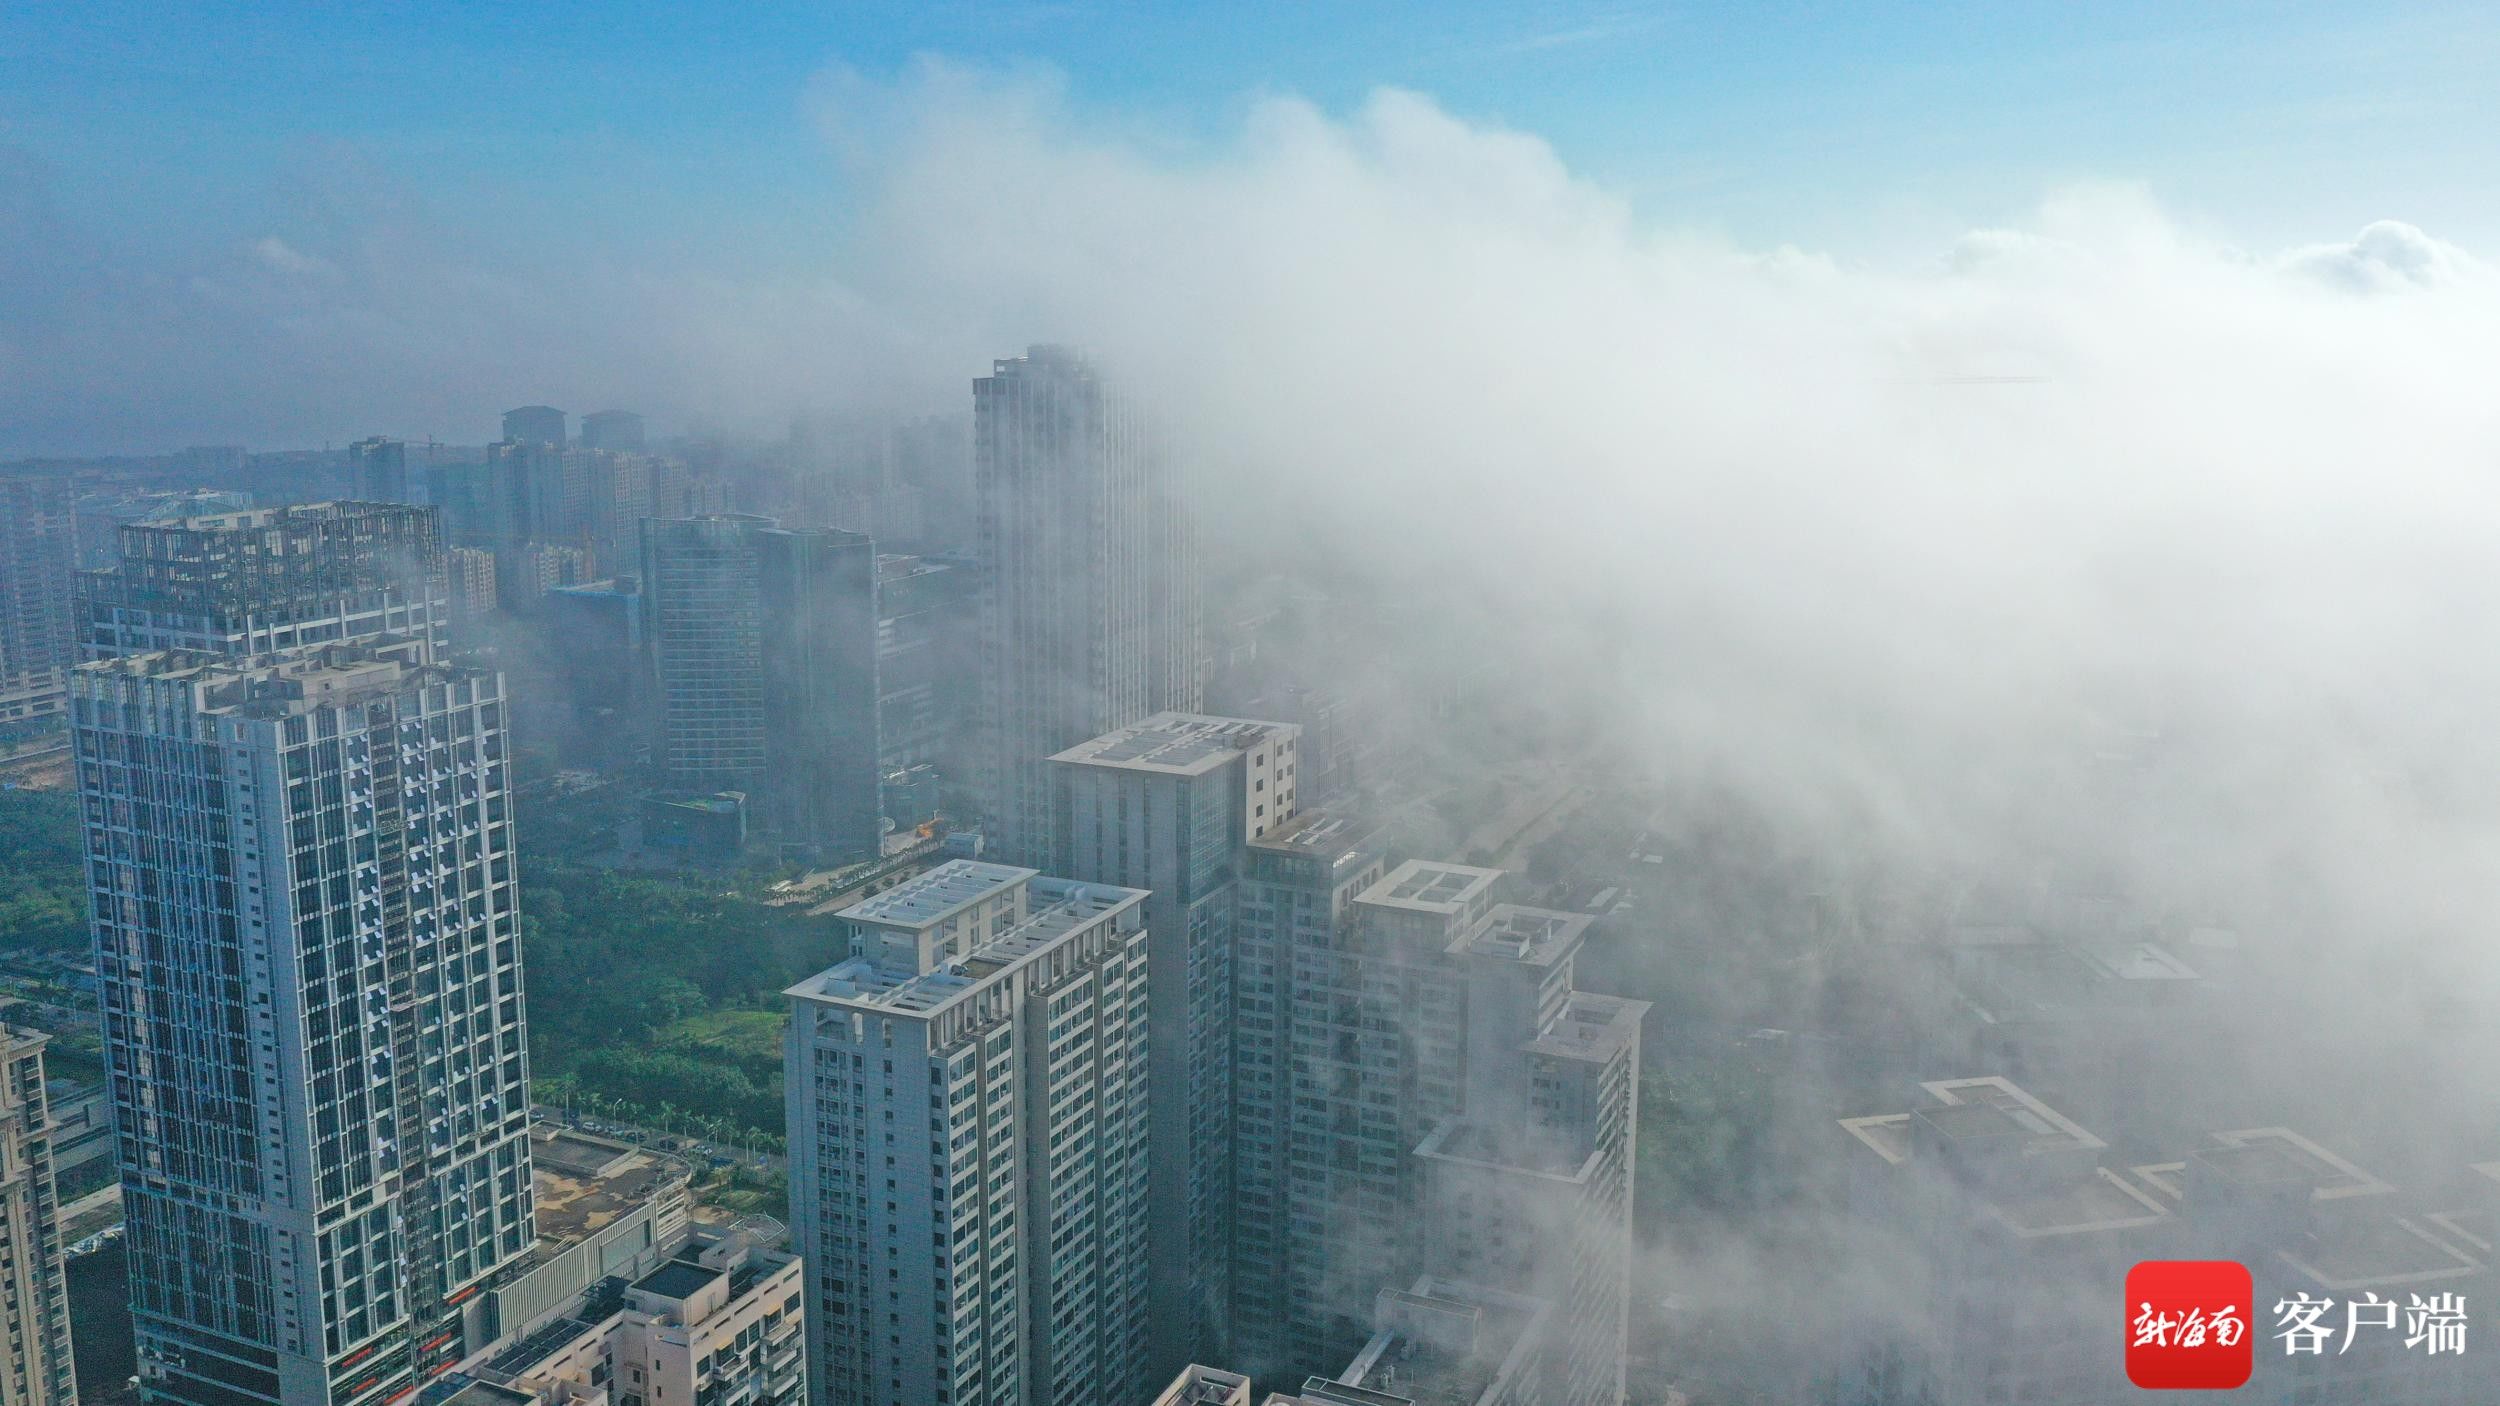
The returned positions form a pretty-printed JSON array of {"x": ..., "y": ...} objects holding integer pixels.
[
  {"x": 1885, "y": 541},
  {"x": 2387, "y": 256},
  {"x": 1893, "y": 544},
  {"x": 280, "y": 257}
]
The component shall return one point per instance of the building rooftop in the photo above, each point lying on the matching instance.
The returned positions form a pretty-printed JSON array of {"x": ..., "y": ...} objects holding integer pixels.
[
  {"x": 552, "y": 1338},
  {"x": 2260, "y": 1158},
  {"x": 1206, "y": 1386},
  {"x": 582, "y": 1184},
  {"x": 1431, "y": 886},
  {"x": 1176, "y": 744},
  {"x": 2475, "y": 1231},
  {"x": 287, "y": 515},
  {"x": 1993, "y": 1107},
  {"x": 2103, "y": 1201},
  {"x": 1887, "y": 1135},
  {"x": 2375, "y": 1251},
  {"x": 931, "y": 898},
  {"x": 2036, "y": 981},
  {"x": 1548, "y": 1158},
  {"x": 679, "y": 1279},
  {"x": 2030, "y": 1168},
  {"x": 1060, "y": 906},
  {"x": 1317, "y": 833},
  {"x": 1440, "y": 1343},
  {"x": 471, "y": 1392},
  {"x": 1968, "y": 1113},
  {"x": 2353, "y": 1241},
  {"x": 1536, "y": 937},
  {"x": 283, "y": 685},
  {"x": 1592, "y": 1027}
]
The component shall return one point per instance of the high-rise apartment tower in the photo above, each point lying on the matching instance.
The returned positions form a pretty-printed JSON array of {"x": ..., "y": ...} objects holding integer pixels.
[
  {"x": 765, "y": 644},
  {"x": 34, "y": 1285},
  {"x": 38, "y": 549},
  {"x": 968, "y": 1141},
  {"x": 1091, "y": 607},
  {"x": 308, "y": 952},
  {"x": 535, "y": 424},
  {"x": 1167, "y": 806}
]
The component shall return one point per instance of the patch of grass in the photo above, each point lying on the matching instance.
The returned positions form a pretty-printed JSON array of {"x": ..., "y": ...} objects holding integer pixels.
[
  {"x": 742, "y": 1034},
  {"x": 744, "y": 1190}
]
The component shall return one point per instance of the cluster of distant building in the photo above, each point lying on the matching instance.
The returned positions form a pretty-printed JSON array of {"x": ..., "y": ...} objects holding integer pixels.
[{"x": 1166, "y": 1065}]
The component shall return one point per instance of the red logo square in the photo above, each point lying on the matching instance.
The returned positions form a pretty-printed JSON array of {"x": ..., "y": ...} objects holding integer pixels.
[{"x": 2189, "y": 1325}]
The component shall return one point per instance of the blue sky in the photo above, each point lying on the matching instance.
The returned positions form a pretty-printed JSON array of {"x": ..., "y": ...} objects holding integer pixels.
[
  {"x": 285, "y": 222},
  {"x": 681, "y": 129}
]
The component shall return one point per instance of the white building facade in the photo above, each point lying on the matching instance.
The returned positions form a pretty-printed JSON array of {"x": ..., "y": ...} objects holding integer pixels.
[
  {"x": 308, "y": 949},
  {"x": 1168, "y": 806},
  {"x": 967, "y": 1113}
]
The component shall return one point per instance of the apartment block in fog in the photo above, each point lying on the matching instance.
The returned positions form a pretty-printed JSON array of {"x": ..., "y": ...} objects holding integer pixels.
[
  {"x": 1424, "y": 1090},
  {"x": 1530, "y": 1184},
  {"x": 1373, "y": 1038},
  {"x": 380, "y": 467},
  {"x": 308, "y": 952},
  {"x": 469, "y": 579},
  {"x": 1294, "y": 1292},
  {"x": 269, "y": 579},
  {"x": 1444, "y": 1342},
  {"x": 38, "y": 550},
  {"x": 968, "y": 1143},
  {"x": 764, "y": 643},
  {"x": 535, "y": 424},
  {"x": 925, "y": 652},
  {"x": 34, "y": 1284},
  {"x": 612, "y": 429},
  {"x": 1167, "y": 806},
  {"x": 1091, "y": 610},
  {"x": 544, "y": 491}
]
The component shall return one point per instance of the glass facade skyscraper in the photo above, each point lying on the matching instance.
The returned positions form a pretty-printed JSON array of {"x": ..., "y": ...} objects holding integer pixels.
[{"x": 1091, "y": 612}]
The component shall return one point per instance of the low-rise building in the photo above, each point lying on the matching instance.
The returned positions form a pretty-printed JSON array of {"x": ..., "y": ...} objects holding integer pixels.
[
  {"x": 1440, "y": 1342},
  {"x": 715, "y": 1323},
  {"x": 1205, "y": 1386},
  {"x": 2009, "y": 1242},
  {"x": 2015, "y": 1242},
  {"x": 2307, "y": 1221},
  {"x": 606, "y": 1209}
]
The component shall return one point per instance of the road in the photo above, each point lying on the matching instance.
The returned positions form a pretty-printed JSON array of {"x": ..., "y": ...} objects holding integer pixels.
[
  {"x": 653, "y": 1137},
  {"x": 105, "y": 1197}
]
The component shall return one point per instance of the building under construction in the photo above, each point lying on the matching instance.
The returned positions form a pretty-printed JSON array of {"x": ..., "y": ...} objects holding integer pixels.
[{"x": 248, "y": 583}]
